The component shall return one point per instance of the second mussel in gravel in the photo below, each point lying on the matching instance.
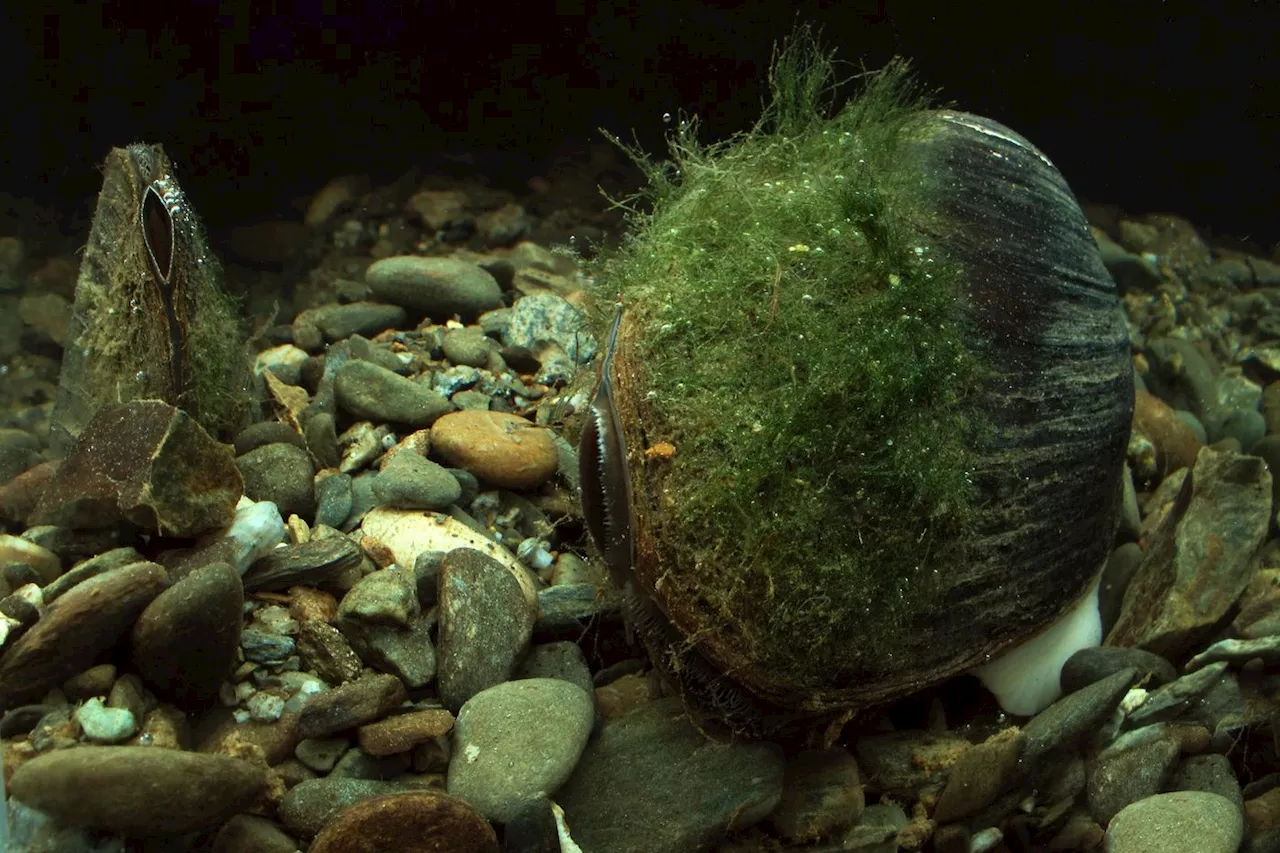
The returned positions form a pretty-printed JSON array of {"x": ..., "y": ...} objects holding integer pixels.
[{"x": 861, "y": 423}]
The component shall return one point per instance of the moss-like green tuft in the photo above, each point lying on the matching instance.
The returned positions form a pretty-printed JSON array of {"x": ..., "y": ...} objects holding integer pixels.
[{"x": 806, "y": 355}]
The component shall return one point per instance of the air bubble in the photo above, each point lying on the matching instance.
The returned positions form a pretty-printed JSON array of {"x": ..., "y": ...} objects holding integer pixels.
[{"x": 666, "y": 118}]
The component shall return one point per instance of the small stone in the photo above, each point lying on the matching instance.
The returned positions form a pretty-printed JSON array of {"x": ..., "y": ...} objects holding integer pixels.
[
  {"x": 1074, "y": 716},
  {"x": 1180, "y": 822},
  {"x": 148, "y": 463},
  {"x": 264, "y": 707},
  {"x": 486, "y": 621},
  {"x": 545, "y": 317},
  {"x": 821, "y": 795},
  {"x": 1212, "y": 774},
  {"x": 1119, "y": 777},
  {"x": 563, "y": 660},
  {"x": 1096, "y": 663},
  {"x": 101, "y": 724},
  {"x": 516, "y": 741},
  {"x": 982, "y": 773},
  {"x": 333, "y": 500},
  {"x": 185, "y": 641},
  {"x": 469, "y": 346},
  {"x": 25, "y": 562},
  {"x": 1176, "y": 445},
  {"x": 385, "y": 597},
  {"x": 402, "y": 732},
  {"x": 280, "y": 473},
  {"x": 310, "y": 805},
  {"x": 374, "y": 393},
  {"x": 94, "y": 681},
  {"x": 441, "y": 287},
  {"x": 406, "y": 653},
  {"x": 266, "y": 432},
  {"x": 408, "y": 822},
  {"x": 138, "y": 790},
  {"x": 252, "y": 834},
  {"x": 353, "y": 704},
  {"x": 80, "y": 625},
  {"x": 624, "y": 778},
  {"x": 320, "y": 754},
  {"x": 323, "y": 649},
  {"x": 500, "y": 448},
  {"x": 314, "y": 563},
  {"x": 411, "y": 482},
  {"x": 356, "y": 318}
]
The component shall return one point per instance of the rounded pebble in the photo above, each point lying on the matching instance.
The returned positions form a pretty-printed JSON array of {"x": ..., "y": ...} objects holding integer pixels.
[
  {"x": 374, "y": 393},
  {"x": 1180, "y": 822},
  {"x": 442, "y": 287},
  {"x": 518, "y": 741},
  {"x": 500, "y": 448}
]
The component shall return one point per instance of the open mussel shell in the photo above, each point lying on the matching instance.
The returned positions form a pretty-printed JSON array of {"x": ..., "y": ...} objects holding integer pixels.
[{"x": 1048, "y": 420}]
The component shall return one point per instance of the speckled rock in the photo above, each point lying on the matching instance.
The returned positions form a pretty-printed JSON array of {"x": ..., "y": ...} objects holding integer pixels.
[
  {"x": 138, "y": 790},
  {"x": 402, "y": 732},
  {"x": 487, "y": 613},
  {"x": 500, "y": 448},
  {"x": 1180, "y": 822},
  {"x": 516, "y": 741},
  {"x": 442, "y": 287},
  {"x": 1122, "y": 774},
  {"x": 312, "y": 804}
]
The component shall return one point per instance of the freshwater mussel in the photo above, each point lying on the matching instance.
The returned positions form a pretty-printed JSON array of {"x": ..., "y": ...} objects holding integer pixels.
[{"x": 861, "y": 418}]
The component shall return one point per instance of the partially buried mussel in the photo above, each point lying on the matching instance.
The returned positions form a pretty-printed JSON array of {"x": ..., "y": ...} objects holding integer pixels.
[{"x": 898, "y": 387}]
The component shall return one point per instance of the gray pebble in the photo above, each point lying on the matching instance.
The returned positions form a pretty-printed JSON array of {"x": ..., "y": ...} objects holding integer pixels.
[
  {"x": 516, "y": 741},
  {"x": 264, "y": 433},
  {"x": 310, "y": 805},
  {"x": 442, "y": 287},
  {"x": 469, "y": 346},
  {"x": 1211, "y": 773},
  {"x": 1075, "y": 716},
  {"x": 280, "y": 473},
  {"x": 320, "y": 754},
  {"x": 363, "y": 318},
  {"x": 322, "y": 439},
  {"x": 563, "y": 660},
  {"x": 1179, "y": 822},
  {"x": 373, "y": 393},
  {"x": 264, "y": 646},
  {"x": 385, "y": 597},
  {"x": 1119, "y": 777},
  {"x": 410, "y": 481},
  {"x": 486, "y": 620},
  {"x": 334, "y": 500},
  {"x": 1094, "y": 664}
]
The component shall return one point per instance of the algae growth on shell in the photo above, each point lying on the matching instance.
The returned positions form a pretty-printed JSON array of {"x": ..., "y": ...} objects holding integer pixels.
[{"x": 891, "y": 363}]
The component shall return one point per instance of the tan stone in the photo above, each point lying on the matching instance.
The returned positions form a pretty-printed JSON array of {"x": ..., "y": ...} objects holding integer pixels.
[
  {"x": 403, "y": 732},
  {"x": 500, "y": 448},
  {"x": 1176, "y": 445}
]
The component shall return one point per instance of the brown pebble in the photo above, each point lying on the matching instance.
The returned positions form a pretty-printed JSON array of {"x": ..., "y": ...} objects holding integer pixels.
[
  {"x": 411, "y": 822},
  {"x": 624, "y": 693},
  {"x": 498, "y": 447},
  {"x": 403, "y": 732},
  {"x": 353, "y": 704},
  {"x": 76, "y": 628},
  {"x": 308, "y": 604},
  {"x": 138, "y": 790},
  {"x": 1176, "y": 445},
  {"x": 981, "y": 774}
]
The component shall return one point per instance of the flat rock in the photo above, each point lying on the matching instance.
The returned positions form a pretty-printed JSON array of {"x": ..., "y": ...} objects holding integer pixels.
[
  {"x": 408, "y": 822},
  {"x": 441, "y": 287},
  {"x": 821, "y": 795},
  {"x": 1195, "y": 567},
  {"x": 498, "y": 447},
  {"x": 374, "y": 393},
  {"x": 981, "y": 773},
  {"x": 1097, "y": 662},
  {"x": 410, "y": 481},
  {"x": 517, "y": 741},
  {"x": 1179, "y": 822},
  {"x": 1074, "y": 716},
  {"x": 148, "y": 463},
  {"x": 355, "y": 703},
  {"x": 487, "y": 613},
  {"x": 185, "y": 641},
  {"x": 312, "y": 804},
  {"x": 1120, "y": 777},
  {"x": 79, "y": 626},
  {"x": 403, "y": 732},
  {"x": 651, "y": 782},
  {"x": 138, "y": 790}
]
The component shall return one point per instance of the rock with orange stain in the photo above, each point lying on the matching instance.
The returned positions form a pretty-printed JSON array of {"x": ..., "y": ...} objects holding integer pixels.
[
  {"x": 1176, "y": 444},
  {"x": 500, "y": 448}
]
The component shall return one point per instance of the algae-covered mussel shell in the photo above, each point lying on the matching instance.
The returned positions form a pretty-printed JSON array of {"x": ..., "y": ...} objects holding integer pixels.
[{"x": 898, "y": 385}]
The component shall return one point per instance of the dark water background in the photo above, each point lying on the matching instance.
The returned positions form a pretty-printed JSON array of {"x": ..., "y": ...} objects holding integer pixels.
[{"x": 1154, "y": 106}]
